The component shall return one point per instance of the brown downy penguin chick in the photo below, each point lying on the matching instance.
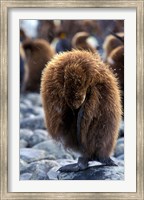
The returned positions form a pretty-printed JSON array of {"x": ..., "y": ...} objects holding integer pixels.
[
  {"x": 79, "y": 41},
  {"x": 38, "y": 52},
  {"x": 111, "y": 42},
  {"x": 116, "y": 62},
  {"x": 81, "y": 101}
]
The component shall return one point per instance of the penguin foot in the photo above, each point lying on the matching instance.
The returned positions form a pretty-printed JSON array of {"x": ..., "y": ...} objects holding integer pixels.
[
  {"x": 82, "y": 164},
  {"x": 107, "y": 161}
]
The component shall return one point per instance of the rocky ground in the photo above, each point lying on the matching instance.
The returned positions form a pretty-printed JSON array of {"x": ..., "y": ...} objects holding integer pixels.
[{"x": 41, "y": 157}]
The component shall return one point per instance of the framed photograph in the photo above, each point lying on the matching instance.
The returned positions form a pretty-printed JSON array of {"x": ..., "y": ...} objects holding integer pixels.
[{"x": 36, "y": 36}]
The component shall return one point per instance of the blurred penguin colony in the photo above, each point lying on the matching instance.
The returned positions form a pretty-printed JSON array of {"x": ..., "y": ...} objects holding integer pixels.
[{"x": 40, "y": 40}]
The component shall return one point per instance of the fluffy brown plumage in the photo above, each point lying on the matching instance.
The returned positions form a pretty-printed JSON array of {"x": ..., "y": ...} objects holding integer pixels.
[
  {"x": 75, "y": 80},
  {"x": 38, "y": 52}
]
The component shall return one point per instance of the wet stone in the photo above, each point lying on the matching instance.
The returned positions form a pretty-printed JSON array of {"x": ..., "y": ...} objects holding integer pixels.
[
  {"x": 37, "y": 138},
  {"x": 95, "y": 173},
  {"x": 39, "y": 111},
  {"x": 121, "y": 157},
  {"x": 119, "y": 150},
  {"x": 34, "y": 98},
  {"x": 23, "y": 165},
  {"x": 53, "y": 173},
  {"x": 39, "y": 169},
  {"x": 120, "y": 141},
  {"x": 33, "y": 123},
  {"x": 25, "y": 134},
  {"x": 53, "y": 148},
  {"x": 23, "y": 143},
  {"x": 25, "y": 176},
  {"x": 30, "y": 155},
  {"x": 121, "y": 130}
]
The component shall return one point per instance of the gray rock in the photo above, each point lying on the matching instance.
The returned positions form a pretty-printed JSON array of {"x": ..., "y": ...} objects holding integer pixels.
[
  {"x": 95, "y": 173},
  {"x": 53, "y": 148},
  {"x": 28, "y": 115},
  {"x": 39, "y": 169},
  {"x": 25, "y": 176},
  {"x": 121, "y": 129},
  {"x": 24, "y": 109},
  {"x": 118, "y": 162},
  {"x": 119, "y": 150},
  {"x": 25, "y": 134},
  {"x": 43, "y": 132},
  {"x": 21, "y": 116},
  {"x": 39, "y": 175},
  {"x": 39, "y": 111},
  {"x": 31, "y": 155},
  {"x": 23, "y": 165},
  {"x": 26, "y": 102},
  {"x": 120, "y": 141},
  {"x": 33, "y": 123},
  {"x": 53, "y": 173},
  {"x": 23, "y": 143},
  {"x": 37, "y": 138},
  {"x": 63, "y": 162},
  {"x": 35, "y": 98},
  {"x": 121, "y": 157}
]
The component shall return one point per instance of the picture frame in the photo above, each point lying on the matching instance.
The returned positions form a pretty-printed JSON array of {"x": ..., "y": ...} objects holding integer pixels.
[{"x": 5, "y": 5}]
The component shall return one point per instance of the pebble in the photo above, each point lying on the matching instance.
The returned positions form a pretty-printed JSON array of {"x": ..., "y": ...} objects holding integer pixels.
[
  {"x": 121, "y": 130},
  {"x": 35, "y": 98},
  {"x": 30, "y": 155},
  {"x": 25, "y": 134},
  {"x": 53, "y": 173},
  {"x": 37, "y": 138},
  {"x": 95, "y": 173},
  {"x": 25, "y": 176},
  {"x": 23, "y": 165},
  {"x": 33, "y": 123},
  {"x": 119, "y": 150},
  {"x": 39, "y": 175},
  {"x": 23, "y": 143},
  {"x": 40, "y": 169},
  {"x": 120, "y": 141},
  {"x": 53, "y": 148},
  {"x": 121, "y": 157}
]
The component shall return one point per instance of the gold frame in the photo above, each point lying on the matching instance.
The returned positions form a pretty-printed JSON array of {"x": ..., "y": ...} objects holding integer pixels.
[{"x": 5, "y": 4}]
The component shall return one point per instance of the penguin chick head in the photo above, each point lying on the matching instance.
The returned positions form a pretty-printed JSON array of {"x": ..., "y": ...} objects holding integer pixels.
[{"x": 75, "y": 86}]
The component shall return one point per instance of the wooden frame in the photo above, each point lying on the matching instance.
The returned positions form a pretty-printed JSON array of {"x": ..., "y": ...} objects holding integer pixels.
[{"x": 5, "y": 4}]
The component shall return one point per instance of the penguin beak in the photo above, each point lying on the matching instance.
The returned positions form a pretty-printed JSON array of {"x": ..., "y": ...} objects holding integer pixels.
[{"x": 84, "y": 96}]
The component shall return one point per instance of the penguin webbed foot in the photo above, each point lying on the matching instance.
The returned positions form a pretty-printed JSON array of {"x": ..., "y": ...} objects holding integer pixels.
[
  {"x": 82, "y": 164},
  {"x": 106, "y": 161}
]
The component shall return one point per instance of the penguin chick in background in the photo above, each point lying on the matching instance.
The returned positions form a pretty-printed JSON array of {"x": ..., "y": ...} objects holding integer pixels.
[
  {"x": 116, "y": 62},
  {"x": 111, "y": 42},
  {"x": 80, "y": 41},
  {"x": 81, "y": 101},
  {"x": 38, "y": 52}
]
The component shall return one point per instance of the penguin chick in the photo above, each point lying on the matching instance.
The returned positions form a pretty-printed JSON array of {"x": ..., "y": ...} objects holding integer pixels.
[
  {"x": 116, "y": 62},
  {"x": 80, "y": 42},
  {"x": 111, "y": 42},
  {"x": 38, "y": 52},
  {"x": 81, "y": 101}
]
